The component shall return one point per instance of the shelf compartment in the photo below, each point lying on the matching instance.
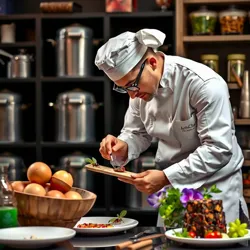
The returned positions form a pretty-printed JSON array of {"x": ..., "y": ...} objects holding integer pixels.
[
  {"x": 18, "y": 17},
  {"x": 95, "y": 145},
  {"x": 216, "y": 38},
  {"x": 17, "y": 145},
  {"x": 233, "y": 86},
  {"x": 17, "y": 80},
  {"x": 18, "y": 44},
  {"x": 216, "y": 2},
  {"x": 77, "y": 15},
  {"x": 242, "y": 122},
  {"x": 73, "y": 79},
  {"x": 142, "y": 14}
]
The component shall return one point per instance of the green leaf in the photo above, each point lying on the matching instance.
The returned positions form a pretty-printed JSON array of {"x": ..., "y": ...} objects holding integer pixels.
[
  {"x": 88, "y": 160},
  {"x": 123, "y": 213},
  {"x": 94, "y": 160},
  {"x": 112, "y": 220}
]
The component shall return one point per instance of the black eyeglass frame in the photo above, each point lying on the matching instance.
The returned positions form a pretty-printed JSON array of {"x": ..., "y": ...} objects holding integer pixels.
[{"x": 134, "y": 86}]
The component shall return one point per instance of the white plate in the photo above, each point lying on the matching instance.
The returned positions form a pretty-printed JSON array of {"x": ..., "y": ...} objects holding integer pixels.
[
  {"x": 205, "y": 242},
  {"x": 126, "y": 225},
  {"x": 15, "y": 236}
]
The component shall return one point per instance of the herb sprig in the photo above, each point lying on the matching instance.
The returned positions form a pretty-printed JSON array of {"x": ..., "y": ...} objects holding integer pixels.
[{"x": 92, "y": 161}]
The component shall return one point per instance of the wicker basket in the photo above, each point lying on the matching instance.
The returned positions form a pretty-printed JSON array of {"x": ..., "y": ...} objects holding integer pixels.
[{"x": 36, "y": 210}]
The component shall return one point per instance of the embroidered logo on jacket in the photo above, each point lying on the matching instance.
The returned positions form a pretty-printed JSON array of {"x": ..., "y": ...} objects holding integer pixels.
[{"x": 188, "y": 127}]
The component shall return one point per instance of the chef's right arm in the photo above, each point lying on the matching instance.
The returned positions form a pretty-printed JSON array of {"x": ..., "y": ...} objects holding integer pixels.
[{"x": 134, "y": 132}]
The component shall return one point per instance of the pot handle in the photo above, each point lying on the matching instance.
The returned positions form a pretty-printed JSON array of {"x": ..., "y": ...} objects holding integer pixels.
[
  {"x": 52, "y": 41},
  {"x": 25, "y": 106},
  {"x": 97, "y": 105}
]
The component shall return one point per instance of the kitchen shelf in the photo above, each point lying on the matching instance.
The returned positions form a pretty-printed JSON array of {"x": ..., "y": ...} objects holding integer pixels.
[
  {"x": 70, "y": 145},
  {"x": 18, "y": 17},
  {"x": 242, "y": 122},
  {"x": 73, "y": 79},
  {"x": 18, "y": 45},
  {"x": 233, "y": 86},
  {"x": 142, "y": 14},
  {"x": 246, "y": 163},
  {"x": 215, "y": 1},
  {"x": 18, "y": 145},
  {"x": 17, "y": 80},
  {"x": 216, "y": 38},
  {"x": 76, "y": 15}
]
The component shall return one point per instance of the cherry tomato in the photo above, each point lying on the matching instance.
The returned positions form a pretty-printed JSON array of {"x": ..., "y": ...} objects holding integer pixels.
[
  {"x": 192, "y": 234},
  {"x": 214, "y": 235}
]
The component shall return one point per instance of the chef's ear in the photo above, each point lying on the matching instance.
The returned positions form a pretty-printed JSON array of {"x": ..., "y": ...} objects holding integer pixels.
[{"x": 153, "y": 62}]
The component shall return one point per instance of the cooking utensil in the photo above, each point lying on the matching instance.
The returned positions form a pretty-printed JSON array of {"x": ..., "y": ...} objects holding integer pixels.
[
  {"x": 10, "y": 116},
  {"x": 109, "y": 171},
  {"x": 19, "y": 66},
  {"x": 74, "y": 51},
  {"x": 151, "y": 242},
  {"x": 75, "y": 117},
  {"x": 136, "y": 238}
]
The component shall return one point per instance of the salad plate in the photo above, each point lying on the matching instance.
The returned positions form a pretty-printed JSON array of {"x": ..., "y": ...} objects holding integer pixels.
[
  {"x": 123, "y": 226},
  {"x": 170, "y": 234},
  {"x": 34, "y": 236}
]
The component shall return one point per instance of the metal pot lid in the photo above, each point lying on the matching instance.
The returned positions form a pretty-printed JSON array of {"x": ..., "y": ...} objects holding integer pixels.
[
  {"x": 6, "y": 96},
  {"x": 22, "y": 56},
  {"x": 75, "y": 30},
  {"x": 76, "y": 96},
  {"x": 76, "y": 160}
]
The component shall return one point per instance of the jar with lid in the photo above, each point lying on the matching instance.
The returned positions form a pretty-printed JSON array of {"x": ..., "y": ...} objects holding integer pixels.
[
  {"x": 211, "y": 60},
  {"x": 203, "y": 21},
  {"x": 232, "y": 21},
  {"x": 235, "y": 67},
  {"x": 8, "y": 212}
]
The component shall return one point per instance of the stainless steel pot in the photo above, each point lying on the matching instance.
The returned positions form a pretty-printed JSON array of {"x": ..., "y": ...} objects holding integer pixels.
[
  {"x": 19, "y": 66},
  {"x": 74, "y": 164},
  {"x": 10, "y": 116},
  {"x": 74, "y": 46},
  {"x": 136, "y": 199},
  {"x": 17, "y": 169},
  {"x": 75, "y": 116}
]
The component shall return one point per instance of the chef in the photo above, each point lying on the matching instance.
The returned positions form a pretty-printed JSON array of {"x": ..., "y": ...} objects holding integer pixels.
[{"x": 184, "y": 104}]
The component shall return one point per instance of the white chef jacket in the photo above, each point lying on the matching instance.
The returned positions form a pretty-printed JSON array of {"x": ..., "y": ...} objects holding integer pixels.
[{"x": 192, "y": 118}]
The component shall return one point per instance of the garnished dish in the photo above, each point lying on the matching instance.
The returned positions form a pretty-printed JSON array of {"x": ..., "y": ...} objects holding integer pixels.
[
  {"x": 197, "y": 217},
  {"x": 118, "y": 220}
]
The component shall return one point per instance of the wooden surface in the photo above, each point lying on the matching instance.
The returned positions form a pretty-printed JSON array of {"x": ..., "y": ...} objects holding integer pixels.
[{"x": 109, "y": 171}]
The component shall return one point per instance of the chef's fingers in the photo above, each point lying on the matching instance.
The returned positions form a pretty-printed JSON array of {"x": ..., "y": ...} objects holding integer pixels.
[
  {"x": 139, "y": 175},
  {"x": 110, "y": 141},
  {"x": 103, "y": 149}
]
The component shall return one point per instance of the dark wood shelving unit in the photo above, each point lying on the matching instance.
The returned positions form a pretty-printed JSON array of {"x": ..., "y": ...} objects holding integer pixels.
[{"x": 44, "y": 81}]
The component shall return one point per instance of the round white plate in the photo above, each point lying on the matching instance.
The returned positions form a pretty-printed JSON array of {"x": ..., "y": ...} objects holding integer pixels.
[
  {"x": 126, "y": 225},
  {"x": 205, "y": 242},
  {"x": 19, "y": 237}
]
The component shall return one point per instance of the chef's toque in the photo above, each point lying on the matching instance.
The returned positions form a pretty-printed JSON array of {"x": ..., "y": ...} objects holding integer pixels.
[{"x": 120, "y": 54}]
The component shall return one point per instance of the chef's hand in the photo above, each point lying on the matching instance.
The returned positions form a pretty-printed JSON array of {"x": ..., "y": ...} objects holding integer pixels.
[
  {"x": 149, "y": 181},
  {"x": 112, "y": 145}
]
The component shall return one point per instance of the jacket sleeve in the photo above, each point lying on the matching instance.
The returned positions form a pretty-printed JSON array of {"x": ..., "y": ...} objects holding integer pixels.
[
  {"x": 214, "y": 127},
  {"x": 134, "y": 133}
]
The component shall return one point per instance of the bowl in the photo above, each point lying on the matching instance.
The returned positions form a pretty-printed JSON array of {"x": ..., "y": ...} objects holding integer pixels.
[{"x": 34, "y": 210}]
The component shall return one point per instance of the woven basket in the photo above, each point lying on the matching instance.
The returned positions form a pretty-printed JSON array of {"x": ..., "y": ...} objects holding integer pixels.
[{"x": 36, "y": 210}]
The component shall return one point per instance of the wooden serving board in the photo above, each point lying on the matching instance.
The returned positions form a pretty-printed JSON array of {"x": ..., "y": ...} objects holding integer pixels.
[{"x": 109, "y": 171}]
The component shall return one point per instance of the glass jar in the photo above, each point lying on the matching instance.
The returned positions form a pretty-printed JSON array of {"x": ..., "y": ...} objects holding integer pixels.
[
  {"x": 8, "y": 212},
  {"x": 232, "y": 21},
  {"x": 211, "y": 60},
  {"x": 203, "y": 21},
  {"x": 235, "y": 67}
]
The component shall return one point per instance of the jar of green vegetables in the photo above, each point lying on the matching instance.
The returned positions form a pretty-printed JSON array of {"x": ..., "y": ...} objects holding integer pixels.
[
  {"x": 203, "y": 21},
  {"x": 211, "y": 60}
]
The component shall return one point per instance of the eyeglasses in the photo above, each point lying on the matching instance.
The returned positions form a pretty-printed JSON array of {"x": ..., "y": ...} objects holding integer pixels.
[{"x": 134, "y": 86}]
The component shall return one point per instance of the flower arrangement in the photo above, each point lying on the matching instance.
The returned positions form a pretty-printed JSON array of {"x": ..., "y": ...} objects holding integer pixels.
[{"x": 172, "y": 202}]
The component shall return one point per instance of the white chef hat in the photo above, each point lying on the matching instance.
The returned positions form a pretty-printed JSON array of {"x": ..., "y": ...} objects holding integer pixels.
[{"x": 120, "y": 54}]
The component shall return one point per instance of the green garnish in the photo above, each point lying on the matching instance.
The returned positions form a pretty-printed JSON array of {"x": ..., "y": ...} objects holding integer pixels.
[
  {"x": 207, "y": 192},
  {"x": 118, "y": 218},
  {"x": 92, "y": 161}
]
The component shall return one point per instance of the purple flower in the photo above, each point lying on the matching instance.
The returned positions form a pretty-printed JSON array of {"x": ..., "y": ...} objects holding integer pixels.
[
  {"x": 154, "y": 200},
  {"x": 190, "y": 194}
]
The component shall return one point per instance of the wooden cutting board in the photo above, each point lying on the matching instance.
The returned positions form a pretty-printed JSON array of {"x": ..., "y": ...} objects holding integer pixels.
[{"x": 109, "y": 171}]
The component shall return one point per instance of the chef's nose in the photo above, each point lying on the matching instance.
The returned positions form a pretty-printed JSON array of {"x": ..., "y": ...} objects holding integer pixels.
[{"x": 132, "y": 94}]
